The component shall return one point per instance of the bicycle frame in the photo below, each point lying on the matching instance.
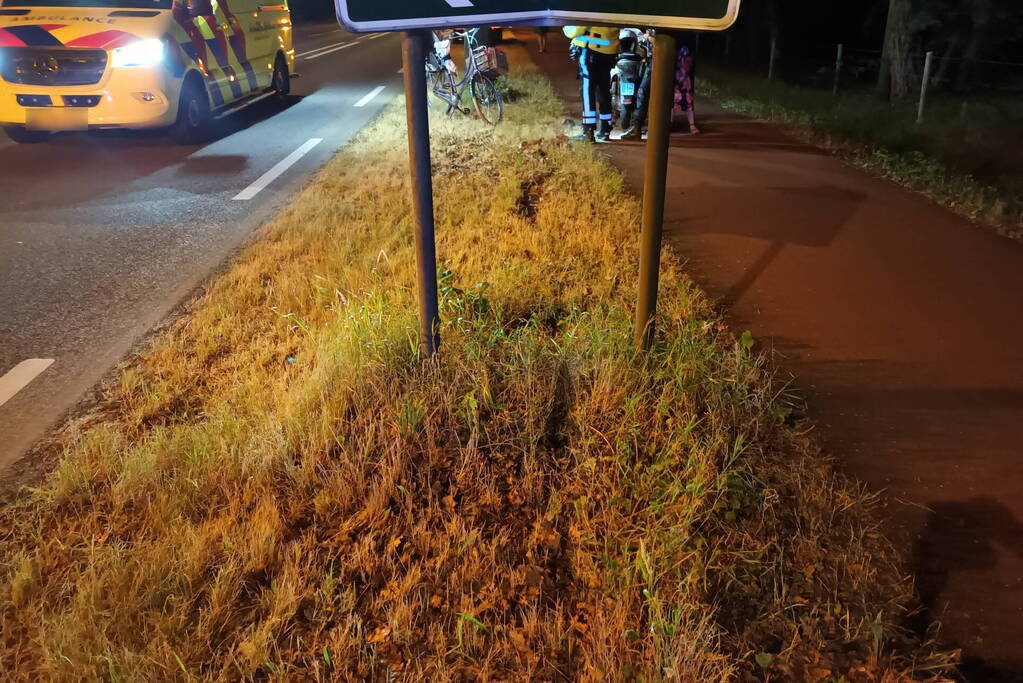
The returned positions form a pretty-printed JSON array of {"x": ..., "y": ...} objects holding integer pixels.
[
  {"x": 454, "y": 98},
  {"x": 442, "y": 73}
]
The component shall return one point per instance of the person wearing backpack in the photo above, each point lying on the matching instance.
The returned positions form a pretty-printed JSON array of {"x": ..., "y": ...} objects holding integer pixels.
[{"x": 682, "y": 106}]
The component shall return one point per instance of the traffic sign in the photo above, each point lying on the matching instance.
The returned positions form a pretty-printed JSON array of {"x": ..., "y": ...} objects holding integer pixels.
[{"x": 404, "y": 15}]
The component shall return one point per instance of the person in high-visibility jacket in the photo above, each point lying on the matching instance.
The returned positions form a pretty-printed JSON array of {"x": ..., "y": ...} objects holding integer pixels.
[{"x": 597, "y": 47}]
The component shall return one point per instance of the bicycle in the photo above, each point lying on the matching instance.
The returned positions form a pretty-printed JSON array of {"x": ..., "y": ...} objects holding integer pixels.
[{"x": 482, "y": 64}]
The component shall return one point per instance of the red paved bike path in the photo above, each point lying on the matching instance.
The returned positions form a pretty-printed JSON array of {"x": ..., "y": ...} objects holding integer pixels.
[{"x": 903, "y": 327}]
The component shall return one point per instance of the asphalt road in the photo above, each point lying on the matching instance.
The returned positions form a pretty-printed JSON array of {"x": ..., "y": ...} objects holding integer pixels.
[
  {"x": 900, "y": 324},
  {"x": 102, "y": 234}
]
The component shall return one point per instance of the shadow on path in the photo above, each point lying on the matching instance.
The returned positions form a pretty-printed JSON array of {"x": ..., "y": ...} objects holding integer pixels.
[
  {"x": 964, "y": 537},
  {"x": 901, "y": 324}
]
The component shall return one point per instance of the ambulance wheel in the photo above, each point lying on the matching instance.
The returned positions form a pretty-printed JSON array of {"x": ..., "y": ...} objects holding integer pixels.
[
  {"x": 24, "y": 136},
  {"x": 193, "y": 122},
  {"x": 281, "y": 83}
]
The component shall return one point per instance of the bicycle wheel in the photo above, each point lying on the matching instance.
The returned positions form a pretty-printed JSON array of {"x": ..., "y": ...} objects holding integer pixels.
[
  {"x": 487, "y": 99},
  {"x": 441, "y": 83}
]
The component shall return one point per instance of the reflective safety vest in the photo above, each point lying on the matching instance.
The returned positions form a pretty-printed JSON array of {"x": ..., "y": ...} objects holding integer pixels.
[{"x": 597, "y": 38}]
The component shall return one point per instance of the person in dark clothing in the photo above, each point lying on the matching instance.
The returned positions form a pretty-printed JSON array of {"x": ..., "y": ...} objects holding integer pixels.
[
  {"x": 682, "y": 96},
  {"x": 635, "y": 131},
  {"x": 486, "y": 35},
  {"x": 597, "y": 48}
]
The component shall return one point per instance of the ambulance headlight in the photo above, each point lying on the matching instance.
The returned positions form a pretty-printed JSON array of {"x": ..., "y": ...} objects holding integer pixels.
[{"x": 147, "y": 52}]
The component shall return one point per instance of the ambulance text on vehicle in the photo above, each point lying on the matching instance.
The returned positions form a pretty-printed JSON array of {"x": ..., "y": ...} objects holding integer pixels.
[{"x": 85, "y": 64}]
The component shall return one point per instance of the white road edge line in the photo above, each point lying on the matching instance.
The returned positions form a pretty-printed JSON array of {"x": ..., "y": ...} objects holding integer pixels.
[
  {"x": 333, "y": 49},
  {"x": 369, "y": 96},
  {"x": 325, "y": 47},
  {"x": 272, "y": 175},
  {"x": 20, "y": 376}
]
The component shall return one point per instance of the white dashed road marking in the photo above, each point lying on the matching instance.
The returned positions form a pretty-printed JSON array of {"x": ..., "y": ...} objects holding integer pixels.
[
  {"x": 275, "y": 172},
  {"x": 20, "y": 376},
  {"x": 459, "y": 3},
  {"x": 369, "y": 96}
]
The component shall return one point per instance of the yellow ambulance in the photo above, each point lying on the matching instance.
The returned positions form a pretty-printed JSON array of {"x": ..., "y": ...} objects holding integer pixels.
[{"x": 88, "y": 64}]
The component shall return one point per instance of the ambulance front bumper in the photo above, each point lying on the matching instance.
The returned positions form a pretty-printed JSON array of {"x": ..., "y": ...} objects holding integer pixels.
[{"x": 124, "y": 98}]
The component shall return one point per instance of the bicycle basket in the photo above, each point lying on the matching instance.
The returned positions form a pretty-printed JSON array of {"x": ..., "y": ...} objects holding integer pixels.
[{"x": 490, "y": 61}]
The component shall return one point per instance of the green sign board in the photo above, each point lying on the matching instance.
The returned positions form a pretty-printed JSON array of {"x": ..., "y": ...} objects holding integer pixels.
[{"x": 402, "y": 15}]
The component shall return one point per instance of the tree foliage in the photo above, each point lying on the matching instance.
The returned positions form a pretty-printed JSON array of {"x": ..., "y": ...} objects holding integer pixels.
[
  {"x": 963, "y": 34},
  {"x": 960, "y": 32}
]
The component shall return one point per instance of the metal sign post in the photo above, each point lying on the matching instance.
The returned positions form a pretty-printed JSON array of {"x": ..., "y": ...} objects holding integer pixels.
[
  {"x": 654, "y": 181},
  {"x": 414, "y": 16},
  {"x": 413, "y": 57}
]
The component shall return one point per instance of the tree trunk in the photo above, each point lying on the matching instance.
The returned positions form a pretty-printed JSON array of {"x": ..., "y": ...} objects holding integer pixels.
[
  {"x": 946, "y": 59},
  {"x": 904, "y": 76},
  {"x": 752, "y": 35},
  {"x": 884, "y": 73},
  {"x": 896, "y": 73},
  {"x": 980, "y": 16},
  {"x": 969, "y": 56}
]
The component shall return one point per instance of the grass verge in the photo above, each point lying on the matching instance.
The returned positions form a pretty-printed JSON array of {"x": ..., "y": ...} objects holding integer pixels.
[
  {"x": 967, "y": 163},
  {"x": 281, "y": 488}
]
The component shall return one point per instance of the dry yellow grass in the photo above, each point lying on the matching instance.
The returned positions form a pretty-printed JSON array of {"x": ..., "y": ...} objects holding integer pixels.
[{"x": 281, "y": 488}]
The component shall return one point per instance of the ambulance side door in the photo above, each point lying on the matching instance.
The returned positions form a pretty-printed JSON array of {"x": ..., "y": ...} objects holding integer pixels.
[
  {"x": 241, "y": 25},
  {"x": 267, "y": 26}
]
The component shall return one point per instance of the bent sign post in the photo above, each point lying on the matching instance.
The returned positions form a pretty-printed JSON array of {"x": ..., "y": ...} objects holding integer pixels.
[{"x": 416, "y": 16}]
